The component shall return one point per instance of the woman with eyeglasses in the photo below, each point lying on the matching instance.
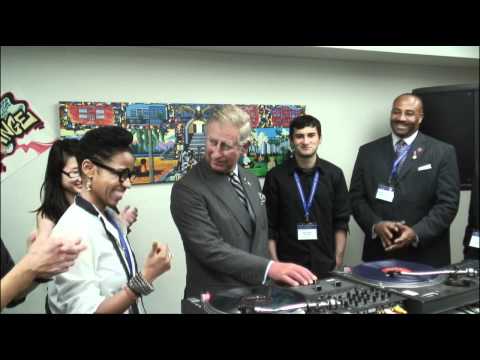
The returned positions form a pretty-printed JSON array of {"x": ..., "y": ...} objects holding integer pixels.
[
  {"x": 61, "y": 183},
  {"x": 105, "y": 277}
]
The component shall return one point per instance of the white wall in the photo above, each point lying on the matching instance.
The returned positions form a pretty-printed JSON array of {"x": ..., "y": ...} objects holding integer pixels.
[
  {"x": 469, "y": 52},
  {"x": 351, "y": 99}
]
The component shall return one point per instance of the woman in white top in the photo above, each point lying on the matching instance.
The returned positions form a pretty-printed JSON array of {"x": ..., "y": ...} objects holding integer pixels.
[{"x": 105, "y": 277}]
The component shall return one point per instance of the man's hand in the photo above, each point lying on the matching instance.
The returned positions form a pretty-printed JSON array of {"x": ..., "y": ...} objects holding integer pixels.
[
  {"x": 405, "y": 237},
  {"x": 291, "y": 274},
  {"x": 386, "y": 231}
]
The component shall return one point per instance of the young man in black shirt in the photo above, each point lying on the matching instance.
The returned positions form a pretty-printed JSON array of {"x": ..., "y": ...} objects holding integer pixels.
[{"x": 307, "y": 204}]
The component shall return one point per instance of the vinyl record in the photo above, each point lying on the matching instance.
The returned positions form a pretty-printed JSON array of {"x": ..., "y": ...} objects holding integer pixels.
[
  {"x": 271, "y": 298},
  {"x": 376, "y": 273}
]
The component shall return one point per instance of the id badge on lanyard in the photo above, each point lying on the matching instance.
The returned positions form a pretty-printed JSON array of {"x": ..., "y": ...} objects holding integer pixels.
[
  {"x": 385, "y": 193},
  {"x": 307, "y": 230},
  {"x": 474, "y": 240}
]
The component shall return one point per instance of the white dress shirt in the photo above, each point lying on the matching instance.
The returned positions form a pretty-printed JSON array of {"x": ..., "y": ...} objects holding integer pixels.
[{"x": 408, "y": 140}]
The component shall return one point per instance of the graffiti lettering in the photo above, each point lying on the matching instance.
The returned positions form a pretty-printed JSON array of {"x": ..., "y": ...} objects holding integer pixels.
[{"x": 17, "y": 125}]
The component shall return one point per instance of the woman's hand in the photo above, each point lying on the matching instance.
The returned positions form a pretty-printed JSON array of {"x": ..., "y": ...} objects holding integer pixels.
[{"x": 158, "y": 261}]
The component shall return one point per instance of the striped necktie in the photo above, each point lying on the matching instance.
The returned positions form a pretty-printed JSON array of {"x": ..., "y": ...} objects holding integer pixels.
[
  {"x": 400, "y": 148},
  {"x": 235, "y": 181}
]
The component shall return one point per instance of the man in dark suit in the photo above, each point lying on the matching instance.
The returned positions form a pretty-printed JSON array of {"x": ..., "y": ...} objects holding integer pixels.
[
  {"x": 471, "y": 238},
  {"x": 405, "y": 191},
  {"x": 219, "y": 210}
]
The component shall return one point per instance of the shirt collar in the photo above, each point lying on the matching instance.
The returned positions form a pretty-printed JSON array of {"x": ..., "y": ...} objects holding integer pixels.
[
  {"x": 292, "y": 165},
  {"x": 409, "y": 140},
  {"x": 235, "y": 170},
  {"x": 92, "y": 209}
]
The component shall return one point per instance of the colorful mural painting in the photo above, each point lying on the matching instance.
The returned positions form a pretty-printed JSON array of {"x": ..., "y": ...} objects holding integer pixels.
[{"x": 168, "y": 139}]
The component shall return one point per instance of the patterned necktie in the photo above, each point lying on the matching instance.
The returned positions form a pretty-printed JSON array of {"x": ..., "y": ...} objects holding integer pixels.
[
  {"x": 400, "y": 148},
  {"x": 235, "y": 181}
]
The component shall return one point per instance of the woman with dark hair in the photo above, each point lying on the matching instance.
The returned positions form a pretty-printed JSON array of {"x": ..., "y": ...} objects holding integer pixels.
[
  {"x": 61, "y": 183},
  {"x": 105, "y": 277}
]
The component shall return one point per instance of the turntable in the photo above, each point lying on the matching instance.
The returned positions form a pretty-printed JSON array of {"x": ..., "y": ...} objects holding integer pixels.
[
  {"x": 426, "y": 289},
  {"x": 327, "y": 296},
  {"x": 395, "y": 274},
  {"x": 252, "y": 300},
  {"x": 387, "y": 286}
]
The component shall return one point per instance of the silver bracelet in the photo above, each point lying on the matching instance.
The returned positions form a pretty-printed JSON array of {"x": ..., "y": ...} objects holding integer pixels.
[{"x": 139, "y": 285}]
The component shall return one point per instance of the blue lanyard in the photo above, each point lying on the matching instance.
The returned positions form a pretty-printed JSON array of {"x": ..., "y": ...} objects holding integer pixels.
[
  {"x": 306, "y": 207},
  {"x": 123, "y": 243},
  {"x": 398, "y": 161}
]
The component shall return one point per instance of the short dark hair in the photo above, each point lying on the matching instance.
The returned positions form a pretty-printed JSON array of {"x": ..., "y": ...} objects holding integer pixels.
[
  {"x": 103, "y": 143},
  {"x": 52, "y": 195},
  {"x": 303, "y": 121},
  {"x": 416, "y": 97}
]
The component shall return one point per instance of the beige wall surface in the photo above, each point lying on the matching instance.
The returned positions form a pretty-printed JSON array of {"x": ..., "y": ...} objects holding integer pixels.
[{"x": 352, "y": 99}]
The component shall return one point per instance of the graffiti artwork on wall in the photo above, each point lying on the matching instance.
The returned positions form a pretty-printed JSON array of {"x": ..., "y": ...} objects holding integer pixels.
[
  {"x": 168, "y": 139},
  {"x": 21, "y": 133}
]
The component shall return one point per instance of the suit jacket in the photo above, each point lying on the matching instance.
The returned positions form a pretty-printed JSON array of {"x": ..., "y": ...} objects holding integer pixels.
[
  {"x": 473, "y": 221},
  {"x": 427, "y": 200},
  {"x": 223, "y": 247}
]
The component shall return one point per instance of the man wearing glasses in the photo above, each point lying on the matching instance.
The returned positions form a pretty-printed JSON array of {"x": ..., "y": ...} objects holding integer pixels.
[{"x": 219, "y": 210}]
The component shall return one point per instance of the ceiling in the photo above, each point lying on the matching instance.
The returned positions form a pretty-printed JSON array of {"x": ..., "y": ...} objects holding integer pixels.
[{"x": 460, "y": 56}]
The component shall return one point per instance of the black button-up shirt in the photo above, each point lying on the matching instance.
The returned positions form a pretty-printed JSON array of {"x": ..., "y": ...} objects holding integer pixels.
[{"x": 330, "y": 211}]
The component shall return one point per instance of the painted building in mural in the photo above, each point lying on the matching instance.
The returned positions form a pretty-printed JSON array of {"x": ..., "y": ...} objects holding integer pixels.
[
  {"x": 91, "y": 114},
  {"x": 169, "y": 139}
]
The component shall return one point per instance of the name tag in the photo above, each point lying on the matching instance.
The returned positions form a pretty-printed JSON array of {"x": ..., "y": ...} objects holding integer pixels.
[
  {"x": 307, "y": 231},
  {"x": 385, "y": 193},
  {"x": 474, "y": 240},
  {"x": 425, "y": 167}
]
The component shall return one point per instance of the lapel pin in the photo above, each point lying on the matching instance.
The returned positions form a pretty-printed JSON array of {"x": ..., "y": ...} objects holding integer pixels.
[
  {"x": 417, "y": 153},
  {"x": 246, "y": 181}
]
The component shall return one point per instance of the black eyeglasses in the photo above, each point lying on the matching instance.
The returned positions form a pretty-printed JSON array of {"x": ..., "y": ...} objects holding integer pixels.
[
  {"x": 74, "y": 174},
  {"x": 122, "y": 174}
]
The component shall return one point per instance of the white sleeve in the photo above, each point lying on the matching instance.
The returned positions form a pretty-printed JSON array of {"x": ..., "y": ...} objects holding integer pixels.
[{"x": 77, "y": 291}]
